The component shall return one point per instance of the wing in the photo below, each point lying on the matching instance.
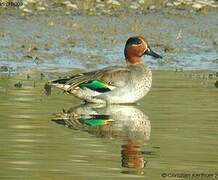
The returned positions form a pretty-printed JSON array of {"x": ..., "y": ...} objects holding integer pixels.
[{"x": 102, "y": 80}]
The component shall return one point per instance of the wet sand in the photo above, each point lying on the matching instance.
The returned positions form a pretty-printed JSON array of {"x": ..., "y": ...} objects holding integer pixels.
[{"x": 187, "y": 40}]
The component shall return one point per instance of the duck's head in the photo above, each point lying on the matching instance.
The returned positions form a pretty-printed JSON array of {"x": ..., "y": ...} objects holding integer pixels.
[{"x": 135, "y": 48}]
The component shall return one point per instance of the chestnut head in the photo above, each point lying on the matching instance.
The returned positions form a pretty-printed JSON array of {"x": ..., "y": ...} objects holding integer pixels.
[{"x": 135, "y": 48}]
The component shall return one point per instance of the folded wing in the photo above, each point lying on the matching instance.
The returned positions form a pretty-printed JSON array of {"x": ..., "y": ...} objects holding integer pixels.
[{"x": 102, "y": 80}]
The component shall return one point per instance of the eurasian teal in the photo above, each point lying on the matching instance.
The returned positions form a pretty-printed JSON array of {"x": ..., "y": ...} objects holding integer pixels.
[{"x": 115, "y": 84}]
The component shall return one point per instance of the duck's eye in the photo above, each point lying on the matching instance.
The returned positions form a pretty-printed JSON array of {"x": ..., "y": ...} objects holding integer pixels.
[
  {"x": 134, "y": 41},
  {"x": 137, "y": 41}
]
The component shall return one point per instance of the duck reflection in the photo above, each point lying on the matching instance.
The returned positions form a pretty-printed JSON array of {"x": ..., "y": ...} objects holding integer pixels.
[
  {"x": 132, "y": 157},
  {"x": 123, "y": 122}
]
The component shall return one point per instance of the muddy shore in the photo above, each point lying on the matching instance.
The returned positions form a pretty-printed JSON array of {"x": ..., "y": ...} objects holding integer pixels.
[{"x": 59, "y": 42}]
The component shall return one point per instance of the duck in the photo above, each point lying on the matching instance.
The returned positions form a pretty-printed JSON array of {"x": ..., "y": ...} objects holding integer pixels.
[{"x": 114, "y": 84}]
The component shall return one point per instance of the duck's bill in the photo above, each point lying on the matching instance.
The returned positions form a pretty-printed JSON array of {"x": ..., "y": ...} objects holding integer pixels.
[{"x": 152, "y": 53}]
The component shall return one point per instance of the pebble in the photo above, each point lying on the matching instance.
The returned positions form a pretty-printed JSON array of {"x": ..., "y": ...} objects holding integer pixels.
[
  {"x": 114, "y": 2},
  {"x": 100, "y": 6},
  {"x": 141, "y": 1},
  {"x": 32, "y": 48},
  {"x": 28, "y": 57},
  {"x": 210, "y": 76},
  {"x": 30, "y": 1},
  {"x": 169, "y": 4},
  {"x": 70, "y": 5},
  {"x": 66, "y": 2},
  {"x": 176, "y": 3},
  {"x": 216, "y": 84},
  {"x": 2, "y": 34},
  {"x": 51, "y": 23},
  {"x": 152, "y": 7},
  {"x": 40, "y": 8},
  {"x": 168, "y": 49},
  {"x": 4, "y": 69},
  {"x": 28, "y": 77},
  {"x": 215, "y": 42},
  {"x": 197, "y": 6},
  {"x": 27, "y": 10},
  {"x": 134, "y": 6},
  {"x": 18, "y": 85}
]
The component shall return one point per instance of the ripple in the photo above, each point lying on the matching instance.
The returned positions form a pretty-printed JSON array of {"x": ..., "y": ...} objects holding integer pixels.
[
  {"x": 20, "y": 116},
  {"x": 24, "y": 99},
  {"x": 21, "y": 127},
  {"x": 79, "y": 160},
  {"x": 25, "y": 140},
  {"x": 21, "y": 162},
  {"x": 20, "y": 168}
]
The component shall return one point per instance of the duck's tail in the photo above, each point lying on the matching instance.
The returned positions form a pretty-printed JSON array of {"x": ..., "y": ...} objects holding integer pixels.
[{"x": 59, "y": 83}]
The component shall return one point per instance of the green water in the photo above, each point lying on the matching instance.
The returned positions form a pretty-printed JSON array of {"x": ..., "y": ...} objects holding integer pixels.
[{"x": 172, "y": 130}]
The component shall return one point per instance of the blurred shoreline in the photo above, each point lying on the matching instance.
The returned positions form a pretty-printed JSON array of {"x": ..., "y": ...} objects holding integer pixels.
[
  {"x": 60, "y": 38},
  {"x": 105, "y": 7}
]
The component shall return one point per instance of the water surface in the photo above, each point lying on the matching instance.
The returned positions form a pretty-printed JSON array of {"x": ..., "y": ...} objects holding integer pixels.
[{"x": 173, "y": 129}]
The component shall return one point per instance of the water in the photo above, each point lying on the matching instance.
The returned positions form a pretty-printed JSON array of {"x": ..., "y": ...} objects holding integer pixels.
[{"x": 172, "y": 130}]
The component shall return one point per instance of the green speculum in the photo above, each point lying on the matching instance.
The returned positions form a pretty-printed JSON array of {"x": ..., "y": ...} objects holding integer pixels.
[{"x": 95, "y": 85}]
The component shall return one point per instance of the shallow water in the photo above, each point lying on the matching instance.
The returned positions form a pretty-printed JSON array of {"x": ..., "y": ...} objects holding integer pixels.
[{"x": 172, "y": 130}]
